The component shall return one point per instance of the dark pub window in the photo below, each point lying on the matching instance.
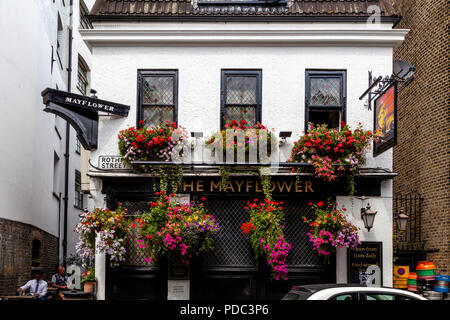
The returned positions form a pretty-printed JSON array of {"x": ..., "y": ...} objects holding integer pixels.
[
  {"x": 78, "y": 192},
  {"x": 325, "y": 97},
  {"x": 82, "y": 81},
  {"x": 241, "y": 96},
  {"x": 157, "y": 96}
]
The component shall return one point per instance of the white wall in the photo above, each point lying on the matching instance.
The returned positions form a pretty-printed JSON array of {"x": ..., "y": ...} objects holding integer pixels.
[
  {"x": 283, "y": 82},
  {"x": 283, "y": 67},
  {"x": 29, "y": 135}
]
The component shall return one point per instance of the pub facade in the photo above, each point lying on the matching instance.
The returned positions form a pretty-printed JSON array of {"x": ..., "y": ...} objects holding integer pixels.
[{"x": 201, "y": 64}]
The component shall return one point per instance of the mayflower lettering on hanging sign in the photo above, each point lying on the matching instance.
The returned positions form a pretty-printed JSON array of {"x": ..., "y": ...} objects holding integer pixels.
[{"x": 77, "y": 101}]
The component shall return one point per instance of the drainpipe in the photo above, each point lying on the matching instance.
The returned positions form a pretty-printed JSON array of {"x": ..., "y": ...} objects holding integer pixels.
[{"x": 67, "y": 154}]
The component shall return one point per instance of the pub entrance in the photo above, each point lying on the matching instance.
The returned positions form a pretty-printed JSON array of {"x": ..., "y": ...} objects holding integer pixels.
[{"x": 230, "y": 272}]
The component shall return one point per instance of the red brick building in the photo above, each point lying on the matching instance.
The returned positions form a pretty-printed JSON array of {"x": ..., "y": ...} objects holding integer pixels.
[{"x": 421, "y": 157}]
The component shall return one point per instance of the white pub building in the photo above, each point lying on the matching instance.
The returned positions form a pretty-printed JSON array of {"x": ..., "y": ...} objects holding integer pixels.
[{"x": 210, "y": 60}]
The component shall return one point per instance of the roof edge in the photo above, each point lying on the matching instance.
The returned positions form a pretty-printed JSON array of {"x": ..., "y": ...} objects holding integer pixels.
[{"x": 281, "y": 18}]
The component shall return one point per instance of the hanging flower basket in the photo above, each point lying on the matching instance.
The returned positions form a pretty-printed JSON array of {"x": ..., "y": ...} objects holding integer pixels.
[
  {"x": 265, "y": 233},
  {"x": 330, "y": 229},
  {"x": 159, "y": 143},
  {"x": 172, "y": 228},
  {"x": 112, "y": 228},
  {"x": 331, "y": 151}
]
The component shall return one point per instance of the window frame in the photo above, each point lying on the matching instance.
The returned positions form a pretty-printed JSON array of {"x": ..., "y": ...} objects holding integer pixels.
[
  {"x": 318, "y": 73},
  {"x": 223, "y": 91},
  {"x": 83, "y": 75},
  {"x": 363, "y": 296},
  {"x": 142, "y": 73},
  {"x": 85, "y": 23},
  {"x": 78, "y": 195}
]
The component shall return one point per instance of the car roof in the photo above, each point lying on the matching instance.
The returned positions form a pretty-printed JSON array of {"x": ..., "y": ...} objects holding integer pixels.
[
  {"x": 312, "y": 288},
  {"x": 327, "y": 290}
]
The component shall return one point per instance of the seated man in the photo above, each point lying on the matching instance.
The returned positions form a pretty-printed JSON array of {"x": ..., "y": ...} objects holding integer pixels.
[
  {"x": 38, "y": 287},
  {"x": 60, "y": 280}
]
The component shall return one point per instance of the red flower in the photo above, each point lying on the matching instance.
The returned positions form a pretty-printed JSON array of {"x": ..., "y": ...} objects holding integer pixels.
[
  {"x": 203, "y": 198},
  {"x": 320, "y": 204}
]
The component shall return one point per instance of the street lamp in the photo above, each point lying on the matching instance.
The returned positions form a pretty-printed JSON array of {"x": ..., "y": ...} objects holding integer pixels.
[
  {"x": 401, "y": 220},
  {"x": 368, "y": 216}
]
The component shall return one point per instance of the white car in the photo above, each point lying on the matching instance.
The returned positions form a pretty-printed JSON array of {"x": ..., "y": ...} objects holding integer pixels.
[{"x": 348, "y": 292}]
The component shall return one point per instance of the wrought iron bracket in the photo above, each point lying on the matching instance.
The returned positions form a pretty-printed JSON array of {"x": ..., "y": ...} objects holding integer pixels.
[{"x": 378, "y": 85}]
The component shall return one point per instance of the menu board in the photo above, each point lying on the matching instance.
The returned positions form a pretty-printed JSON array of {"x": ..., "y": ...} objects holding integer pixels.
[{"x": 364, "y": 263}]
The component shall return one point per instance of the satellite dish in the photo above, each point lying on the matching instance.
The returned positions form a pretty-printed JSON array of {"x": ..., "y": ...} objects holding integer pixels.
[{"x": 404, "y": 69}]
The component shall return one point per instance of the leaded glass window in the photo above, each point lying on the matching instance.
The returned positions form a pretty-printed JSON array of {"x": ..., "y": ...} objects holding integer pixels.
[
  {"x": 325, "y": 97},
  {"x": 241, "y": 96},
  {"x": 157, "y": 96},
  {"x": 78, "y": 193}
]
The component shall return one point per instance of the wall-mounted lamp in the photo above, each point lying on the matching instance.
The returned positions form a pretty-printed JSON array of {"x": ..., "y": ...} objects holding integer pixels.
[
  {"x": 283, "y": 136},
  {"x": 368, "y": 217},
  {"x": 195, "y": 135},
  {"x": 93, "y": 95},
  {"x": 401, "y": 220}
]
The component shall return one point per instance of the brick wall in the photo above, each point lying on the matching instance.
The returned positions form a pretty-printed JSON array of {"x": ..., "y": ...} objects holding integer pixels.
[
  {"x": 15, "y": 254},
  {"x": 422, "y": 154}
]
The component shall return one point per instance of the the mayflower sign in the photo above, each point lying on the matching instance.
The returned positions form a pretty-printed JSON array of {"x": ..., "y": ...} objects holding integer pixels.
[{"x": 81, "y": 112}]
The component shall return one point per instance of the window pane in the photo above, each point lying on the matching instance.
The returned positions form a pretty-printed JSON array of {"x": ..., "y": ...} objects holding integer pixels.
[
  {"x": 241, "y": 113},
  {"x": 325, "y": 91},
  {"x": 241, "y": 90},
  {"x": 155, "y": 115},
  {"x": 370, "y": 296},
  {"x": 347, "y": 297},
  {"x": 331, "y": 118},
  {"x": 158, "y": 90}
]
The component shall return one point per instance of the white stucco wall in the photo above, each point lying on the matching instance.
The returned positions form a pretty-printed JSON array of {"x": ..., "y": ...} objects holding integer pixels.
[
  {"x": 283, "y": 83},
  {"x": 116, "y": 61}
]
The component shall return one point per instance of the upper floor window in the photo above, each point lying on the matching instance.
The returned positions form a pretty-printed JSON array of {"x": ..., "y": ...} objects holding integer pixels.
[
  {"x": 84, "y": 12},
  {"x": 83, "y": 73},
  {"x": 60, "y": 41},
  {"x": 157, "y": 96},
  {"x": 77, "y": 145},
  {"x": 241, "y": 96},
  {"x": 78, "y": 193},
  {"x": 325, "y": 97}
]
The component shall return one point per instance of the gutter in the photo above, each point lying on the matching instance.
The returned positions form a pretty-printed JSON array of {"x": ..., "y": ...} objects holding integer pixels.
[{"x": 67, "y": 153}]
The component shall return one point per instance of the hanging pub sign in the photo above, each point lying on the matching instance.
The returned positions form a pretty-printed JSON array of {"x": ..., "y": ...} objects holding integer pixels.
[
  {"x": 385, "y": 120},
  {"x": 362, "y": 262},
  {"x": 81, "y": 112}
]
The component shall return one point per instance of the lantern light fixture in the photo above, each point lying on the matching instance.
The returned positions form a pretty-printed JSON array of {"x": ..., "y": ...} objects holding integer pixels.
[
  {"x": 283, "y": 136},
  {"x": 368, "y": 217},
  {"x": 401, "y": 220}
]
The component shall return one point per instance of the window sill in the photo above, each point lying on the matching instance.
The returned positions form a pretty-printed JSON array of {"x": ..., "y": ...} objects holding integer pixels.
[{"x": 77, "y": 207}]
